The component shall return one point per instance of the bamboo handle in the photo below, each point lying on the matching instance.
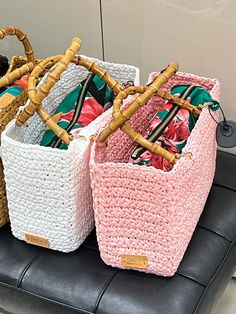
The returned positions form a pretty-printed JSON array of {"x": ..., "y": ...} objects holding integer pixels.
[
  {"x": 38, "y": 71},
  {"x": 146, "y": 92},
  {"x": 12, "y": 31},
  {"x": 180, "y": 102},
  {"x": 89, "y": 65},
  {"x": 152, "y": 89},
  {"x": 152, "y": 147},
  {"x": 11, "y": 77},
  {"x": 32, "y": 91},
  {"x": 119, "y": 118},
  {"x": 33, "y": 79},
  {"x": 51, "y": 80},
  {"x": 163, "y": 94},
  {"x": 93, "y": 67}
]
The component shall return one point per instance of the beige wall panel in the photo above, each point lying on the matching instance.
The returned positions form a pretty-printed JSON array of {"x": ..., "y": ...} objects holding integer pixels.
[
  {"x": 198, "y": 34},
  {"x": 50, "y": 25}
]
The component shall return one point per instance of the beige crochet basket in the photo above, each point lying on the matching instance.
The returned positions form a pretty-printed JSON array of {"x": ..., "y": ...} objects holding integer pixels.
[{"x": 19, "y": 66}]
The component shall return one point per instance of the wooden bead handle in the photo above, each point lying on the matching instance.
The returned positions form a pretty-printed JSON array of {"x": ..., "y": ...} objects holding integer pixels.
[{"x": 146, "y": 92}]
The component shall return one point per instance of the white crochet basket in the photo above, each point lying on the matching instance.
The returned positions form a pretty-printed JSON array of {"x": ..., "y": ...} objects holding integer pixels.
[{"x": 48, "y": 189}]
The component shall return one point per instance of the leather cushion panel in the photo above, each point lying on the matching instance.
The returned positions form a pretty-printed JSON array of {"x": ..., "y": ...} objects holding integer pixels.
[
  {"x": 15, "y": 257},
  {"x": 220, "y": 212},
  {"x": 17, "y": 301},
  {"x": 225, "y": 170},
  {"x": 179, "y": 294},
  {"x": 218, "y": 283},
  {"x": 133, "y": 292},
  {"x": 91, "y": 241},
  {"x": 203, "y": 256},
  {"x": 76, "y": 279}
]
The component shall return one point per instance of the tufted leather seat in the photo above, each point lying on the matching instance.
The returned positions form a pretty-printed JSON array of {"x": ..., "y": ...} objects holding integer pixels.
[{"x": 35, "y": 280}]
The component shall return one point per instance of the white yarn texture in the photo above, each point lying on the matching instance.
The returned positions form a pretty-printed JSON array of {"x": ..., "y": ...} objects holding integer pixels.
[{"x": 48, "y": 189}]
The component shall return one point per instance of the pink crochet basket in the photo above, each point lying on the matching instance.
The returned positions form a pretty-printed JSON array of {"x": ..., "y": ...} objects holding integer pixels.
[{"x": 145, "y": 217}]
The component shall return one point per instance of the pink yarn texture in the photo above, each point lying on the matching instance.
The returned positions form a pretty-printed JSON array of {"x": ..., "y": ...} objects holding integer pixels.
[{"x": 145, "y": 211}]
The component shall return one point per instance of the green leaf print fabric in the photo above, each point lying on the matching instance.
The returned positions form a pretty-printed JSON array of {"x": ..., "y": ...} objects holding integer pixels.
[
  {"x": 171, "y": 126},
  {"x": 80, "y": 107}
]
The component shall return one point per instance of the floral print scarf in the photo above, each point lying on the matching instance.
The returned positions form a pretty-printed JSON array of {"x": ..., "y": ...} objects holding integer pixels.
[
  {"x": 80, "y": 107},
  {"x": 171, "y": 127}
]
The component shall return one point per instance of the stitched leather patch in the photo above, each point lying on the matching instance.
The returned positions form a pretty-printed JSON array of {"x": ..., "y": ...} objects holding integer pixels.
[
  {"x": 134, "y": 261},
  {"x": 36, "y": 240},
  {"x": 6, "y": 99}
]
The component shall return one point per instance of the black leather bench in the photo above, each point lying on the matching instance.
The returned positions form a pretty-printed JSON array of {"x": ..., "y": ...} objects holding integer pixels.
[{"x": 35, "y": 280}]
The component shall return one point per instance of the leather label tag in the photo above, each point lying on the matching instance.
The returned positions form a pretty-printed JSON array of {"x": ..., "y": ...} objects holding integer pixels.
[
  {"x": 6, "y": 99},
  {"x": 134, "y": 261},
  {"x": 36, "y": 240}
]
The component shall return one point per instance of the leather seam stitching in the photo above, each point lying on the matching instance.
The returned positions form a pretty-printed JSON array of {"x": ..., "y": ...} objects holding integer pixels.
[
  {"x": 103, "y": 291},
  {"x": 215, "y": 231},
  {"x": 224, "y": 186},
  {"x": 19, "y": 281},
  {"x": 226, "y": 153},
  {"x": 197, "y": 280},
  {"x": 90, "y": 248},
  {"x": 55, "y": 302},
  {"x": 188, "y": 276},
  {"x": 231, "y": 247}
]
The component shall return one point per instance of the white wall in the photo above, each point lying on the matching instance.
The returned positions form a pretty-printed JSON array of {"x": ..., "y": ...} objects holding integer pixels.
[
  {"x": 199, "y": 34},
  {"x": 51, "y": 24}
]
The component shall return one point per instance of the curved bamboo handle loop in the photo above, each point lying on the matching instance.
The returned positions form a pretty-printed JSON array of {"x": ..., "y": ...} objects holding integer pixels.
[
  {"x": 180, "y": 102},
  {"x": 93, "y": 67},
  {"x": 161, "y": 93},
  {"x": 138, "y": 138},
  {"x": 38, "y": 71},
  {"x": 135, "y": 136},
  {"x": 11, "y": 77},
  {"x": 12, "y": 31},
  {"x": 32, "y": 92},
  {"x": 51, "y": 80},
  {"x": 152, "y": 147},
  {"x": 143, "y": 98},
  {"x": 121, "y": 117},
  {"x": 60, "y": 132}
]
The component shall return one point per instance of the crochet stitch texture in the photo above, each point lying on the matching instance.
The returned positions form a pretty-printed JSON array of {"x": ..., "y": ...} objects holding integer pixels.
[
  {"x": 49, "y": 191},
  {"x": 145, "y": 211}
]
